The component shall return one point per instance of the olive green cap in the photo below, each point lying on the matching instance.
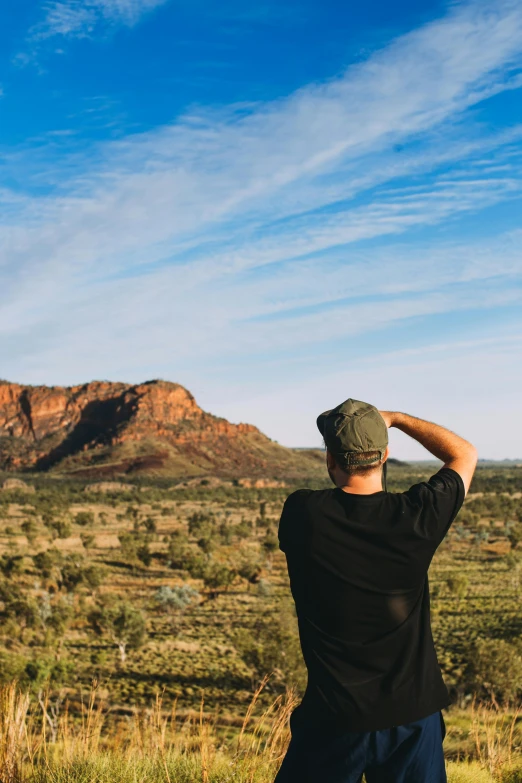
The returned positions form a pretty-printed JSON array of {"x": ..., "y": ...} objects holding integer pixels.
[{"x": 354, "y": 427}]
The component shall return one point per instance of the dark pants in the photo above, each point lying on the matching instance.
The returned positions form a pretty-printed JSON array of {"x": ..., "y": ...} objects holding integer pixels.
[{"x": 404, "y": 754}]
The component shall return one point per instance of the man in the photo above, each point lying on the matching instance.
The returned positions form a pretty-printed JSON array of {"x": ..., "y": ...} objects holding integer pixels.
[{"x": 358, "y": 559}]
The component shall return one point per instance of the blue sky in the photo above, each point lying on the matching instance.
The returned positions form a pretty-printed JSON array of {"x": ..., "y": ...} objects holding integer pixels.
[{"x": 278, "y": 205}]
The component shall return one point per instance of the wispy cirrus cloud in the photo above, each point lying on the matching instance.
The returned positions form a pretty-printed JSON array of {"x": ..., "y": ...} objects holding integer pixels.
[
  {"x": 83, "y": 18},
  {"x": 239, "y": 228}
]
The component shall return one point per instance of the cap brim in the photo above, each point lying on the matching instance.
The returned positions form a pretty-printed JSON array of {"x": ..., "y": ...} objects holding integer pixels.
[{"x": 321, "y": 420}]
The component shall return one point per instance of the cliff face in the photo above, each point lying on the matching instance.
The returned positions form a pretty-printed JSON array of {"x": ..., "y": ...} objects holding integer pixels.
[{"x": 112, "y": 428}]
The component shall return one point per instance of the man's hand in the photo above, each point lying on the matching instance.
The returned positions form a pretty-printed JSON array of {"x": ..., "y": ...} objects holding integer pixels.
[{"x": 388, "y": 418}]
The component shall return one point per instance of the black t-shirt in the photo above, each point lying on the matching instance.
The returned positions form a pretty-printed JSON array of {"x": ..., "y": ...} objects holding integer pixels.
[{"x": 358, "y": 572}]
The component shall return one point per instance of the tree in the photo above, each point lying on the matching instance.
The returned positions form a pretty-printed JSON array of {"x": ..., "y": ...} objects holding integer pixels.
[
  {"x": 225, "y": 533},
  {"x": 150, "y": 525},
  {"x": 54, "y": 617},
  {"x": 132, "y": 512},
  {"x": 271, "y": 646},
  {"x": 61, "y": 615},
  {"x": 458, "y": 585},
  {"x": 515, "y": 536},
  {"x": 250, "y": 570},
  {"x": 19, "y": 607},
  {"x": 26, "y": 613},
  {"x": 11, "y": 565},
  {"x": 48, "y": 563},
  {"x": 59, "y": 528},
  {"x": 84, "y": 518},
  {"x": 200, "y": 524},
  {"x": 87, "y": 540},
  {"x": 216, "y": 576},
  {"x": 481, "y": 537},
  {"x": 512, "y": 561},
  {"x": 92, "y": 576},
  {"x": 74, "y": 573},
  {"x": 207, "y": 544},
  {"x": 135, "y": 546},
  {"x": 243, "y": 529},
  {"x": 122, "y": 623},
  {"x": 195, "y": 564},
  {"x": 30, "y": 528},
  {"x": 144, "y": 555},
  {"x": 177, "y": 549},
  {"x": 71, "y": 575},
  {"x": 495, "y": 669},
  {"x": 270, "y": 544}
]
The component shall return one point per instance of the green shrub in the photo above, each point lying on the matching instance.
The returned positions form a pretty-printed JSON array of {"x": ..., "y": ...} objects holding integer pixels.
[
  {"x": 144, "y": 555},
  {"x": 177, "y": 549},
  {"x": 34, "y": 673},
  {"x": 272, "y": 646},
  {"x": 11, "y": 565},
  {"x": 250, "y": 569},
  {"x": 48, "y": 562},
  {"x": 270, "y": 543},
  {"x": 217, "y": 576},
  {"x": 458, "y": 585},
  {"x": 87, "y": 540},
  {"x": 201, "y": 524},
  {"x": 495, "y": 669},
  {"x": 30, "y": 528},
  {"x": 84, "y": 518},
  {"x": 175, "y": 598},
  {"x": 515, "y": 536},
  {"x": 121, "y": 622},
  {"x": 195, "y": 563}
]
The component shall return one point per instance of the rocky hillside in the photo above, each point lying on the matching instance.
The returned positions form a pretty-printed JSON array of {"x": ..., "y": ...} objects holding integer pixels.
[{"x": 106, "y": 428}]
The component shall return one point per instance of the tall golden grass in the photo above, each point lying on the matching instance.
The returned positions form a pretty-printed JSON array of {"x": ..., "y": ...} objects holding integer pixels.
[
  {"x": 42, "y": 744},
  {"x": 13, "y": 728}
]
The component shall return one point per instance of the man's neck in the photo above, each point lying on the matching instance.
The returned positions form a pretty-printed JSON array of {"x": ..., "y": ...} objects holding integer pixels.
[{"x": 362, "y": 485}]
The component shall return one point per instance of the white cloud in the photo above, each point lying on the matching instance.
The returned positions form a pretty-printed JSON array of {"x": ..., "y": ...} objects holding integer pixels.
[
  {"x": 67, "y": 19},
  {"x": 80, "y": 18},
  {"x": 471, "y": 387},
  {"x": 237, "y": 233},
  {"x": 128, "y": 10}
]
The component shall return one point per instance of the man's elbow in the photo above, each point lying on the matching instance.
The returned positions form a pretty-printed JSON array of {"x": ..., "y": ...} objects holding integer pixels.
[{"x": 472, "y": 452}]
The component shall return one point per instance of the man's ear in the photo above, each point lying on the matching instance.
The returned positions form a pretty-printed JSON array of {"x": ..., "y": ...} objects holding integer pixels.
[{"x": 386, "y": 454}]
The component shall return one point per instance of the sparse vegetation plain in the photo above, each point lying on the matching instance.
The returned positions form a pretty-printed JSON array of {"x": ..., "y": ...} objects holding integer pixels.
[{"x": 174, "y": 599}]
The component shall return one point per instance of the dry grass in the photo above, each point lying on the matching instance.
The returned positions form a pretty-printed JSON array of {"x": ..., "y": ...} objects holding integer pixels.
[
  {"x": 13, "y": 725},
  {"x": 43, "y": 746},
  {"x": 496, "y": 738},
  {"x": 39, "y": 744}
]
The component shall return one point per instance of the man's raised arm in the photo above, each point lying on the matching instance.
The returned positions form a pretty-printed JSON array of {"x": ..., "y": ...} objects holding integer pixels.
[{"x": 455, "y": 452}]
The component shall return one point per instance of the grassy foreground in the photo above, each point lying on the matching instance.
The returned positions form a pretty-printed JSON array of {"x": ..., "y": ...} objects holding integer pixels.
[{"x": 154, "y": 746}]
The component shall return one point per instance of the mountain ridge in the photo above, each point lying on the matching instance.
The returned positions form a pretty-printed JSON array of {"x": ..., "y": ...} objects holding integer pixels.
[{"x": 114, "y": 428}]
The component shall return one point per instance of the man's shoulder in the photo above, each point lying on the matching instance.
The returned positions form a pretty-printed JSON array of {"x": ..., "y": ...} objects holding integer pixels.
[
  {"x": 444, "y": 481},
  {"x": 302, "y": 495},
  {"x": 296, "y": 499},
  {"x": 299, "y": 494},
  {"x": 295, "y": 519},
  {"x": 303, "y": 499}
]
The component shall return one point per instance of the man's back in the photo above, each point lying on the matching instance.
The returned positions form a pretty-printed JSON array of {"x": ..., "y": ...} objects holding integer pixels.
[
  {"x": 358, "y": 572},
  {"x": 358, "y": 559}
]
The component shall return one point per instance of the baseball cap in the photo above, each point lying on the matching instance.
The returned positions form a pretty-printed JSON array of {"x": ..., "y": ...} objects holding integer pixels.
[{"x": 354, "y": 427}]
